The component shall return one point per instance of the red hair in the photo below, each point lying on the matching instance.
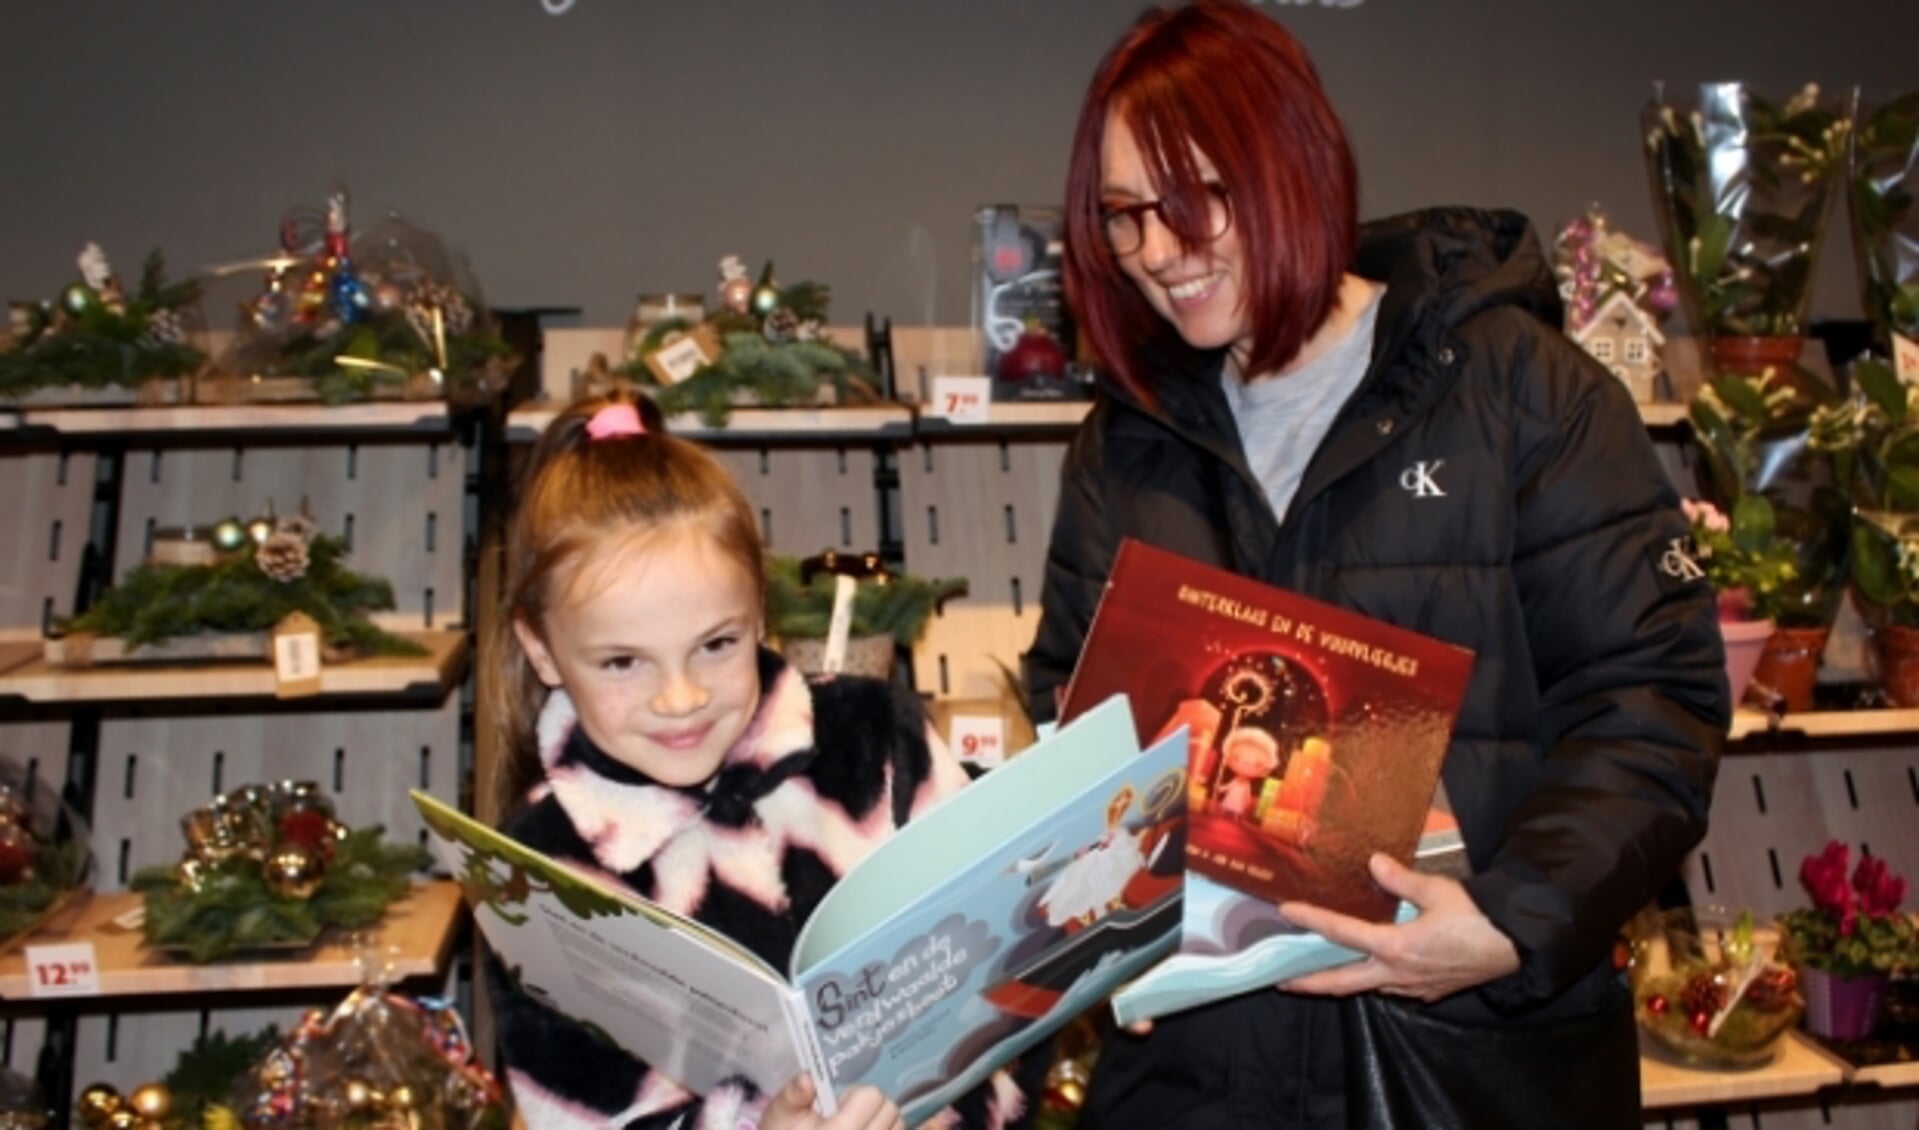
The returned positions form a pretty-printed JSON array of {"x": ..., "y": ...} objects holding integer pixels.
[{"x": 1220, "y": 76}]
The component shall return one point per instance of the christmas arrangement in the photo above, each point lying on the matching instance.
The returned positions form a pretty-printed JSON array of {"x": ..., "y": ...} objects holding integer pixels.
[
  {"x": 377, "y": 1061},
  {"x": 390, "y": 312},
  {"x": 1707, "y": 987},
  {"x": 1618, "y": 291},
  {"x": 888, "y": 609},
  {"x": 97, "y": 336},
  {"x": 763, "y": 345},
  {"x": 193, "y": 1095},
  {"x": 268, "y": 866},
  {"x": 45, "y": 862},
  {"x": 242, "y": 578}
]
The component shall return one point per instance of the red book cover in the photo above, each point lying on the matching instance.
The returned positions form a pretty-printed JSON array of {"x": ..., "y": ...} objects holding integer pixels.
[{"x": 1317, "y": 733}]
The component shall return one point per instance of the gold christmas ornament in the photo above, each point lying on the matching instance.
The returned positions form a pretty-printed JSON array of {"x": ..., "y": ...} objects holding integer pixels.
[
  {"x": 359, "y": 1095},
  {"x": 260, "y": 529},
  {"x": 125, "y": 1119},
  {"x": 229, "y": 535},
  {"x": 402, "y": 1097},
  {"x": 151, "y": 1101},
  {"x": 294, "y": 871},
  {"x": 97, "y": 1104}
]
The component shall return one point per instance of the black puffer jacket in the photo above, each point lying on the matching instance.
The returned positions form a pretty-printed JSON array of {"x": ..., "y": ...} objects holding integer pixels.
[{"x": 1490, "y": 485}]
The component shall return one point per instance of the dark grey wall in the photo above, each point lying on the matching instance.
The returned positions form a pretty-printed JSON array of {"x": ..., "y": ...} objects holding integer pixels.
[{"x": 627, "y": 144}]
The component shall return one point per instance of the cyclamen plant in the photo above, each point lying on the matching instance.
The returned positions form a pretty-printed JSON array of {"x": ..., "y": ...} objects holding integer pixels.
[{"x": 1854, "y": 927}]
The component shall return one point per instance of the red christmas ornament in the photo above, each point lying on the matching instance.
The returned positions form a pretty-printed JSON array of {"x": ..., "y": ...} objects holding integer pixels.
[
  {"x": 306, "y": 828},
  {"x": 1033, "y": 356},
  {"x": 16, "y": 852},
  {"x": 1657, "y": 1005},
  {"x": 1701, "y": 1021}
]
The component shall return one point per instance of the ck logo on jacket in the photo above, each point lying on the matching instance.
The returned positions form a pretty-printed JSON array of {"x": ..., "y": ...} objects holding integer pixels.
[
  {"x": 1420, "y": 479},
  {"x": 1678, "y": 562}
]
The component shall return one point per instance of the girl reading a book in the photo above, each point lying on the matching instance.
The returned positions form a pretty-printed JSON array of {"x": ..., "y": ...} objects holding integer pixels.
[
  {"x": 656, "y": 744},
  {"x": 1383, "y": 417}
]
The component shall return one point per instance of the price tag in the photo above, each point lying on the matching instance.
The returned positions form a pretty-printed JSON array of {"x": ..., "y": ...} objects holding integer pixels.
[
  {"x": 66, "y": 970},
  {"x": 1905, "y": 358},
  {"x": 839, "y": 628},
  {"x": 978, "y": 738},
  {"x": 683, "y": 355},
  {"x": 963, "y": 400},
  {"x": 296, "y": 657}
]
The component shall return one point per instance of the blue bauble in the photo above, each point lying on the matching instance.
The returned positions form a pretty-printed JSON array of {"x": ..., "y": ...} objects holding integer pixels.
[{"x": 348, "y": 295}]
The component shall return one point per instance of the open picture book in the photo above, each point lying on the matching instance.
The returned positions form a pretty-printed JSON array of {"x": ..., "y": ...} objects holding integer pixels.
[
  {"x": 1315, "y": 739},
  {"x": 970, "y": 935}
]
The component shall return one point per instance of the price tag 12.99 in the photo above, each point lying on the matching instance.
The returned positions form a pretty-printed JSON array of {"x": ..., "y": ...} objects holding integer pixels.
[
  {"x": 978, "y": 738},
  {"x": 66, "y": 970},
  {"x": 963, "y": 400}
]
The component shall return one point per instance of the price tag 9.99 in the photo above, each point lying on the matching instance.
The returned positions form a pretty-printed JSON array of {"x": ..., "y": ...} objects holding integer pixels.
[
  {"x": 66, "y": 970},
  {"x": 978, "y": 738}
]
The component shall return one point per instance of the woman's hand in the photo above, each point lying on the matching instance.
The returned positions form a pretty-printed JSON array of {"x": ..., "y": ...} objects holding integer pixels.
[
  {"x": 862, "y": 1108},
  {"x": 1450, "y": 947}
]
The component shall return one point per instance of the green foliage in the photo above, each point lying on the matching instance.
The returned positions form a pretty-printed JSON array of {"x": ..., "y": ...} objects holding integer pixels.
[
  {"x": 899, "y": 607},
  {"x": 58, "y": 868},
  {"x": 1885, "y": 149},
  {"x": 1878, "y": 943},
  {"x": 157, "y": 602},
  {"x": 1745, "y": 240},
  {"x": 234, "y": 910},
  {"x": 1788, "y": 549},
  {"x": 99, "y": 348},
  {"x": 205, "y": 1074}
]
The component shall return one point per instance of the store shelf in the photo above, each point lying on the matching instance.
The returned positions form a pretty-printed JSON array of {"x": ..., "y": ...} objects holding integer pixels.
[
  {"x": 1749, "y": 723},
  {"x": 412, "y": 419},
  {"x": 1014, "y": 416},
  {"x": 24, "y": 673},
  {"x": 415, "y": 936},
  {"x": 1799, "y": 1069},
  {"x": 1670, "y": 415},
  {"x": 1888, "y": 1074},
  {"x": 860, "y": 421}
]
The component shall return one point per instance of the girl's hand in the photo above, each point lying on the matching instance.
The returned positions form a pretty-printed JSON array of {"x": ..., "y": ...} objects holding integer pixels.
[
  {"x": 862, "y": 1108},
  {"x": 1450, "y": 947}
]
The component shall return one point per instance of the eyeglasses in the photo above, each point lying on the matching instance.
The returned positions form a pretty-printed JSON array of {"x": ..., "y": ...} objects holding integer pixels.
[{"x": 1126, "y": 223}]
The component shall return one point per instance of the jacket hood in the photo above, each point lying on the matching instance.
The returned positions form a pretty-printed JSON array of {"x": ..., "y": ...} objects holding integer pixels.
[{"x": 1457, "y": 262}]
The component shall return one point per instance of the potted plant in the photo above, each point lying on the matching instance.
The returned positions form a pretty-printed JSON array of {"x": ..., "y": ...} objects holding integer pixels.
[
  {"x": 1873, "y": 439},
  {"x": 1783, "y": 509},
  {"x": 1850, "y": 941},
  {"x": 1884, "y": 173},
  {"x": 1743, "y": 188},
  {"x": 1747, "y": 568},
  {"x": 889, "y": 610}
]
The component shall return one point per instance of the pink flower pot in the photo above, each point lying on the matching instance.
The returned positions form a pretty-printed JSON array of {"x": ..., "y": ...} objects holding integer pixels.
[
  {"x": 1745, "y": 642},
  {"x": 1842, "y": 1008}
]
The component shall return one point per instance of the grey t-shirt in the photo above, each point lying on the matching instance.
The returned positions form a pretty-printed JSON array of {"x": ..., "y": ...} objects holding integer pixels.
[{"x": 1282, "y": 420}]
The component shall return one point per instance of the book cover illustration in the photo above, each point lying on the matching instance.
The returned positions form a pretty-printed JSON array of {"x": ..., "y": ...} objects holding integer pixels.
[
  {"x": 967, "y": 937},
  {"x": 1316, "y": 734}
]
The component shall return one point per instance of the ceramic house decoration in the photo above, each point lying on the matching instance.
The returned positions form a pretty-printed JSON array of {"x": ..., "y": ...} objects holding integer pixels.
[{"x": 1622, "y": 336}]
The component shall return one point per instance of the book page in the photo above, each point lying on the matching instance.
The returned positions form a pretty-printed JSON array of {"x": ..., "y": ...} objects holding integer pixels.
[
  {"x": 674, "y": 994},
  {"x": 1007, "y": 910}
]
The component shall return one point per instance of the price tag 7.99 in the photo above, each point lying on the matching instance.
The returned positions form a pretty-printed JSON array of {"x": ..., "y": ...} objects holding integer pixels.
[
  {"x": 963, "y": 400},
  {"x": 66, "y": 970}
]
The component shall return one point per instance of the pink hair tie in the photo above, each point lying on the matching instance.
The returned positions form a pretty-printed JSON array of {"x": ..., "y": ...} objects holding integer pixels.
[{"x": 614, "y": 421}]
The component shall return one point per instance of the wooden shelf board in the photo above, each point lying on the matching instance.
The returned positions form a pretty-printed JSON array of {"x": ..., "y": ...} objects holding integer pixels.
[
  {"x": 1888, "y": 1074},
  {"x": 421, "y": 926},
  {"x": 1747, "y": 723},
  {"x": 32, "y": 678},
  {"x": 526, "y": 423},
  {"x": 1799, "y": 1069},
  {"x": 380, "y": 416},
  {"x": 1668, "y": 415}
]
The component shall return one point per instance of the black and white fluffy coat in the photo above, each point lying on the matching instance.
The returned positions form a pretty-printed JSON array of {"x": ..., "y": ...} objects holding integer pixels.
[{"x": 751, "y": 856}]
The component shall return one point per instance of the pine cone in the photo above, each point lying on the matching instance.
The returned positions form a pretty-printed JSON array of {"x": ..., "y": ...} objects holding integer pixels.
[
  {"x": 781, "y": 325},
  {"x": 283, "y": 557},
  {"x": 1703, "y": 993},
  {"x": 455, "y": 312},
  {"x": 166, "y": 327},
  {"x": 300, "y": 525}
]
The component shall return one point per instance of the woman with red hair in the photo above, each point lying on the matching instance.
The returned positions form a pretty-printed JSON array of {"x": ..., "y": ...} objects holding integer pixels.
[{"x": 1382, "y": 417}]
